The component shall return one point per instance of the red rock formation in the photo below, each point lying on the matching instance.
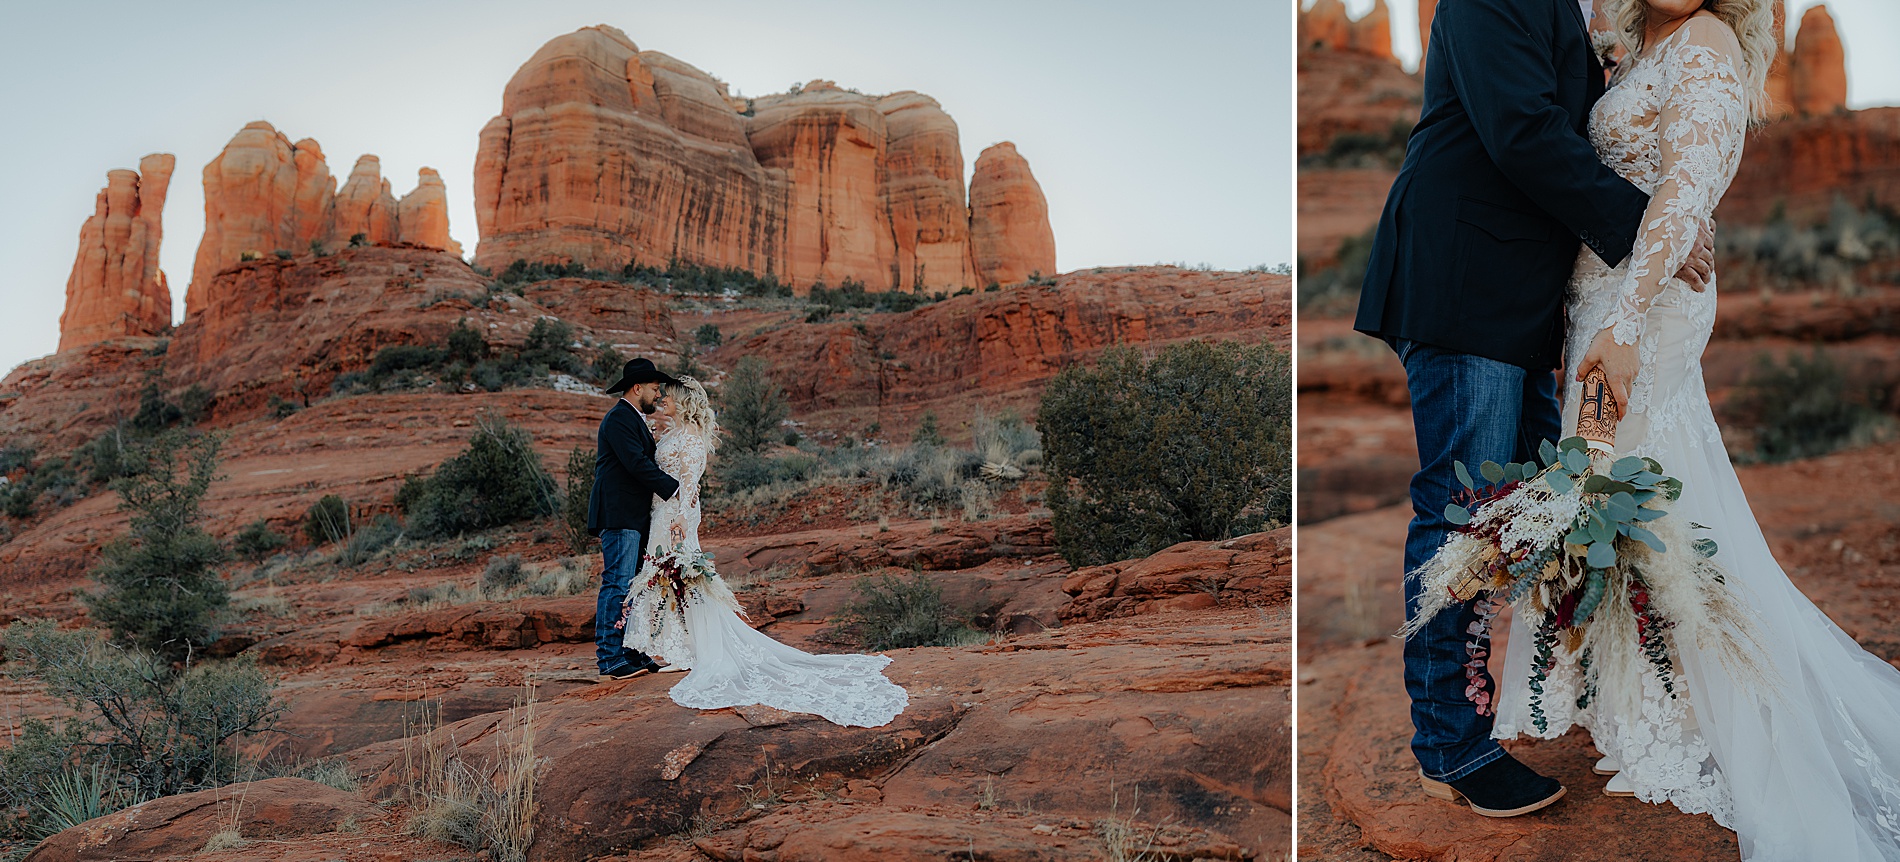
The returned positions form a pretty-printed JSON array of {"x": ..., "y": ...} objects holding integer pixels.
[
  {"x": 1801, "y": 164},
  {"x": 1372, "y": 34},
  {"x": 999, "y": 348},
  {"x": 1192, "y": 707},
  {"x": 1327, "y": 27},
  {"x": 116, "y": 288},
  {"x": 423, "y": 215},
  {"x": 827, "y": 144},
  {"x": 365, "y": 205},
  {"x": 1255, "y": 569},
  {"x": 288, "y": 328},
  {"x": 1426, "y": 9},
  {"x": 1818, "y": 66},
  {"x": 264, "y": 194},
  {"x": 1346, "y": 93},
  {"x": 936, "y": 233},
  {"x": 1009, "y": 219},
  {"x": 658, "y": 161}
]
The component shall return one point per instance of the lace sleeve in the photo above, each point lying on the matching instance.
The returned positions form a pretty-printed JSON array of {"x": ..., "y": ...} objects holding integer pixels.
[
  {"x": 683, "y": 458},
  {"x": 1701, "y": 123}
]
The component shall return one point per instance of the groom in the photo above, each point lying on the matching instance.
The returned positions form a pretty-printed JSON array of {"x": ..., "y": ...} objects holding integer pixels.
[
  {"x": 1466, "y": 283},
  {"x": 618, "y": 511}
]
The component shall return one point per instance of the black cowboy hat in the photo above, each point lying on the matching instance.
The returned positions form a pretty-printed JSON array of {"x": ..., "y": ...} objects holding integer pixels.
[{"x": 639, "y": 371}]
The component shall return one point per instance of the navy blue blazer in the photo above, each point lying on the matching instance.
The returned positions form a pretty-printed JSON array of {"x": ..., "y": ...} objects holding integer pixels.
[
  {"x": 625, "y": 477},
  {"x": 1498, "y": 187}
]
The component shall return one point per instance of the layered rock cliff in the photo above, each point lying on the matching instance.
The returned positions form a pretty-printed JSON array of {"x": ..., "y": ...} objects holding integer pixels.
[
  {"x": 1000, "y": 348},
  {"x": 604, "y": 153},
  {"x": 264, "y": 193},
  {"x": 116, "y": 288},
  {"x": 1799, "y": 165}
]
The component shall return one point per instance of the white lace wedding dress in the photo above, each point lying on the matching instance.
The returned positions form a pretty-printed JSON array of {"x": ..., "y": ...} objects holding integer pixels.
[
  {"x": 1802, "y": 767},
  {"x": 732, "y": 664}
]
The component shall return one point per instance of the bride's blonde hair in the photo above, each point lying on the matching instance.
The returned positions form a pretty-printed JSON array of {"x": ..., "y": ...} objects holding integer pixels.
[
  {"x": 1753, "y": 22},
  {"x": 690, "y": 405}
]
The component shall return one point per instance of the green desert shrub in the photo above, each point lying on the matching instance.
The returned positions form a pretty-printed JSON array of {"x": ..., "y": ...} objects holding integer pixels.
[
  {"x": 155, "y": 414},
  {"x": 257, "y": 541},
  {"x": 547, "y": 347},
  {"x": 327, "y": 520},
  {"x": 1194, "y": 445},
  {"x": 890, "y": 612},
  {"x": 607, "y": 365},
  {"x": 364, "y": 544},
  {"x": 580, "y": 487},
  {"x": 139, "y": 727},
  {"x": 931, "y": 474},
  {"x": 55, "y": 481},
  {"x": 161, "y": 590},
  {"x": 708, "y": 335},
  {"x": 1365, "y": 149},
  {"x": 751, "y": 406},
  {"x": 1334, "y": 291},
  {"x": 465, "y": 345},
  {"x": 927, "y": 433},
  {"x": 686, "y": 277},
  {"x": 503, "y": 573},
  {"x": 497, "y": 480},
  {"x": 1804, "y": 407},
  {"x": 1849, "y": 247}
]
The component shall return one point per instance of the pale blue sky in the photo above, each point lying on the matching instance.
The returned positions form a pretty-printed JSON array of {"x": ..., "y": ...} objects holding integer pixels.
[
  {"x": 1871, "y": 26},
  {"x": 1159, "y": 132}
]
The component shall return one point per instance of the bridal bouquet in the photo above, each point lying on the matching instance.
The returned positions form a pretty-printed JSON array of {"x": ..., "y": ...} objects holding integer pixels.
[
  {"x": 1587, "y": 553},
  {"x": 676, "y": 577}
]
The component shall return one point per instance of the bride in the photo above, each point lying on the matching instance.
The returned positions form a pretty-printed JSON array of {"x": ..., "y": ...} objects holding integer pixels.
[
  {"x": 1806, "y": 767},
  {"x": 702, "y": 631}
]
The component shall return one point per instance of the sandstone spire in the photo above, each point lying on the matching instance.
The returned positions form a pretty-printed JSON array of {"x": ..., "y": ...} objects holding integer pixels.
[
  {"x": 116, "y": 287},
  {"x": 423, "y": 214},
  {"x": 365, "y": 205},
  {"x": 1818, "y": 67},
  {"x": 1009, "y": 219},
  {"x": 1325, "y": 26},
  {"x": 1372, "y": 34},
  {"x": 264, "y": 194},
  {"x": 1328, "y": 27}
]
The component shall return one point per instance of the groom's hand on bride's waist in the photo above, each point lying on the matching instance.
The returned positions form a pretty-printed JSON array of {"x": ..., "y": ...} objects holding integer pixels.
[{"x": 1700, "y": 267}]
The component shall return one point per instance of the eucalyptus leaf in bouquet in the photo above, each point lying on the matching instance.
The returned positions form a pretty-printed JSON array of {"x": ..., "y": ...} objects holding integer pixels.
[{"x": 1583, "y": 546}]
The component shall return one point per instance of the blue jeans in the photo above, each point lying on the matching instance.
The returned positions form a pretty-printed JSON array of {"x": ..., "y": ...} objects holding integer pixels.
[
  {"x": 1471, "y": 409},
  {"x": 620, "y": 552}
]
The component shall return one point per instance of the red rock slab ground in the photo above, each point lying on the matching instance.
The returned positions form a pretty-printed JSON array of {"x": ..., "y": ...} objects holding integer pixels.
[
  {"x": 1178, "y": 718},
  {"x": 1178, "y": 723}
]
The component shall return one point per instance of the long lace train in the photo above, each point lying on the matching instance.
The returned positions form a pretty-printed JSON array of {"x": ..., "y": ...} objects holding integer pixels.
[{"x": 733, "y": 665}]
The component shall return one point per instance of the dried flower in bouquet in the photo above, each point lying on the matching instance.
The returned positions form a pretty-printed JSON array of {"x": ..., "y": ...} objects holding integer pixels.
[
  {"x": 1586, "y": 551},
  {"x": 677, "y": 577}
]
